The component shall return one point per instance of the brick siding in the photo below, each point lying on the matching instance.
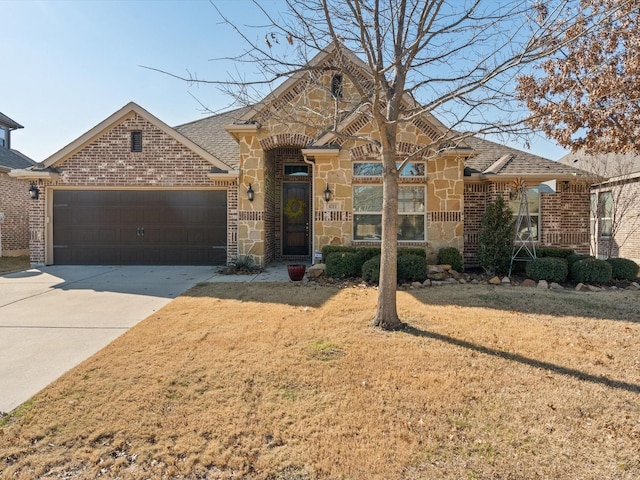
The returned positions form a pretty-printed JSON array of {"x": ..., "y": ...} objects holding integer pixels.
[
  {"x": 14, "y": 203},
  {"x": 565, "y": 216},
  {"x": 109, "y": 162}
]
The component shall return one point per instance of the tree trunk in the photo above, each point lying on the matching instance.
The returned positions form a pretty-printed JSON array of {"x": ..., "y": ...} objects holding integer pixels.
[{"x": 387, "y": 313}]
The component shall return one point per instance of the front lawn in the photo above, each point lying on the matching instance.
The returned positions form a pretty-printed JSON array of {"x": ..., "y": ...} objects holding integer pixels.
[{"x": 289, "y": 381}]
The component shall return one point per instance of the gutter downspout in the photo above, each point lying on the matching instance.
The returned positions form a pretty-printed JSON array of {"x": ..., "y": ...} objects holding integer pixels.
[{"x": 312, "y": 163}]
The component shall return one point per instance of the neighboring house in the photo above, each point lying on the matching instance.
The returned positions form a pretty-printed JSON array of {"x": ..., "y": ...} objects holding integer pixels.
[
  {"x": 615, "y": 202},
  {"x": 134, "y": 190},
  {"x": 14, "y": 195}
]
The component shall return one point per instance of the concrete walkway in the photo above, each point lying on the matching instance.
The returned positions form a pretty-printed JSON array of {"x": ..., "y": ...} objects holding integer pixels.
[{"x": 53, "y": 318}]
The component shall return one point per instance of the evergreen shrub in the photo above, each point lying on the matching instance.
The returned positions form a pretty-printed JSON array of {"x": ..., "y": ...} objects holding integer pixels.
[
  {"x": 450, "y": 256},
  {"x": 343, "y": 265},
  {"x": 591, "y": 270},
  {"x": 551, "y": 269},
  {"x": 623, "y": 268},
  {"x": 412, "y": 268},
  {"x": 554, "y": 252},
  {"x": 371, "y": 270},
  {"x": 496, "y": 237}
]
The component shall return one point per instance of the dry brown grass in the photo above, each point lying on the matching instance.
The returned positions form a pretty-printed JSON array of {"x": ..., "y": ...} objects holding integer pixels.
[
  {"x": 286, "y": 381},
  {"x": 13, "y": 264}
]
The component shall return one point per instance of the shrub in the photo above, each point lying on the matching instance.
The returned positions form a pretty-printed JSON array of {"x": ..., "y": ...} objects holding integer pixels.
[
  {"x": 623, "y": 268},
  {"x": 411, "y": 251},
  {"x": 450, "y": 256},
  {"x": 551, "y": 269},
  {"x": 371, "y": 270},
  {"x": 343, "y": 265},
  {"x": 554, "y": 252},
  {"x": 576, "y": 257},
  {"x": 591, "y": 270},
  {"x": 367, "y": 253},
  {"x": 412, "y": 268},
  {"x": 496, "y": 237},
  {"x": 329, "y": 249}
]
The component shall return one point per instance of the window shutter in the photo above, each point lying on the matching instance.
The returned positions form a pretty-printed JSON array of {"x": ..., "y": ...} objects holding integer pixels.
[{"x": 136, "y": 141}]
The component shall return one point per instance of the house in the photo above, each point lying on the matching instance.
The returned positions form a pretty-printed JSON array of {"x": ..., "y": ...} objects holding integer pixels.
[
  {"x": 14, "y": 194},
  {"x": 615, "y": 202},
  {"x": 259, "y": 182}
]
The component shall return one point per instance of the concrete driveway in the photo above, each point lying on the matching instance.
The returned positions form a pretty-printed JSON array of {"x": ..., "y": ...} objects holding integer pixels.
[{"x": 53, "y": 318}]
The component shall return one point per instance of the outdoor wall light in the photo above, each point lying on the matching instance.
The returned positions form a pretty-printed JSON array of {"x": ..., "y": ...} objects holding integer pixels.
[
  {"x": 327, "y": 193},
  {"x": 250, "y": 193},
  {"x": 34, "y": 192}
]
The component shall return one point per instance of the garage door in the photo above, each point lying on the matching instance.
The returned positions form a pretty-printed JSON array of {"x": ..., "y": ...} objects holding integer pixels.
[{"x": 153, "y": 227}]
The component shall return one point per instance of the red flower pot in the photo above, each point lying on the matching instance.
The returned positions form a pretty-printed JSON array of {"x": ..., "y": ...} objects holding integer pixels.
[{"x": 296, "y": 272}]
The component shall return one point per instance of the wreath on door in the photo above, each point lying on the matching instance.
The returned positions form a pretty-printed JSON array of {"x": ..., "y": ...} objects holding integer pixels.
[{"x": 294, "y": 208}]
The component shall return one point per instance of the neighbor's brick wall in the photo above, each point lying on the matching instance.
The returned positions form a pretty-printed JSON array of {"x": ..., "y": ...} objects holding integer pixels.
[
  {"x": 626, "y": 242},
  {"x": 109, "y": 162},
  {"x": 14, "y": 203},
  {"x": 565, "y": 215}
]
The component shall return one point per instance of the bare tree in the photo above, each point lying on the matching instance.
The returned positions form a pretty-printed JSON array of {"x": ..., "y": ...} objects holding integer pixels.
[{"x": 457, "y": 60}]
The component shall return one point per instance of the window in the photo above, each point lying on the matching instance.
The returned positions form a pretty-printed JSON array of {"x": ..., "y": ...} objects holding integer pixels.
[
  {"x": 136, "y": 141},
  {"x": 605, "y": 214},
  {"x": 336, "y": 85},
  {"x": 296, "y": 170},
  {"x": 374, "y": 169},
  {"x": 3, "y": 137},
  {"x": 367, "y": 213},
  {"x": 533, "y": 203}
]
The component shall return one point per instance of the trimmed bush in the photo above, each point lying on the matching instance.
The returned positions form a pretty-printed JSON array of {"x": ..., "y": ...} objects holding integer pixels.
[
  {"x": 329, "y": 249},
  {"x": 551, "y": 269},
  {"x": 623, "y": 268},
  {"x": 554, "y": 252},
  {"x": 411, "y": 251},
  {"x": 412, "y": 268},
  {"x": 576, "y": 257},
  {"x": 450, "y": 256},
  {"x": 343, "y": 265},
  {"x": 371, "y": 270},
  {"x": 591, "y": 270}
]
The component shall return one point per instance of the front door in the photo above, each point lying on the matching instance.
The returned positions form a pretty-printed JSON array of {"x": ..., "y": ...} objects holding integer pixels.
[{"x": 295, "y": 219}]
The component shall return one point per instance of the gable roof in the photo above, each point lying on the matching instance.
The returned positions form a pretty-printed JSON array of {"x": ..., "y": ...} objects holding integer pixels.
[
  {"x": 118, "y": 117},
  {"x": 360, "y": 68},
  {"x": 7, "y": 122},
  {"x": 11, "y": 159},
  {"x": 500, "y": 160},
  {"x": 210, "y": 134}
]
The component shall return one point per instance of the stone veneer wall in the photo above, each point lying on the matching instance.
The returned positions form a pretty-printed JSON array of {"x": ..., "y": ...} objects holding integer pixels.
[
  {"x": 15, "y": 203},
  {"x": 565, "y": 215},
  {"x": 108, "y": 162}
]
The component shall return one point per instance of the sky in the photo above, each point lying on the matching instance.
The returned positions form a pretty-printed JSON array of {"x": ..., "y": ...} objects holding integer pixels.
[{"x": 68, "y": 65}]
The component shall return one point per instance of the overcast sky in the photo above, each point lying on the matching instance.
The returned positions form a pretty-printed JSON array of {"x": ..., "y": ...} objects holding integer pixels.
[{"x": 67, "y": 65}]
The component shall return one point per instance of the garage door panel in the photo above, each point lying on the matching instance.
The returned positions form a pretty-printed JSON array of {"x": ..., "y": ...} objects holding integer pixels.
[{"x": 140, "y": 227}]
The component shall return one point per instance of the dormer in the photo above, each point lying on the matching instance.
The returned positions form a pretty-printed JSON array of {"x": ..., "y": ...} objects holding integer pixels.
[{"x": 6, "y": 126}]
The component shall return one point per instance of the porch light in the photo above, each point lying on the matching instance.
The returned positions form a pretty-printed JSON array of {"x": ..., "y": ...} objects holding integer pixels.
[
  {"x": 250, "y": 193},
  {"x": 327, "y": 193},
  {"x": 34, "y": 192}
]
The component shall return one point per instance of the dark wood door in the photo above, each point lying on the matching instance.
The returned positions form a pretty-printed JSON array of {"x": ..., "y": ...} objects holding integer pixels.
[
  {"x": 151, "y": 227},
  {"x": 295, "y": 219}
]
